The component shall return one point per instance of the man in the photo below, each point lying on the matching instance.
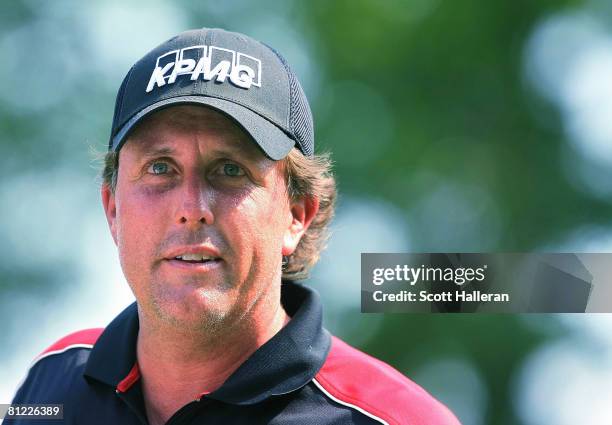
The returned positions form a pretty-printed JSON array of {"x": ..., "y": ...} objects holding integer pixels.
[{"x": 217, "y": 204}]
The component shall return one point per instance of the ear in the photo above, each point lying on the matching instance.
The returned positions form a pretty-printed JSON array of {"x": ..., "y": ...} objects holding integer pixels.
[
  {"x": 303, "y": 211},
  {"x": 110, "y": 210}
]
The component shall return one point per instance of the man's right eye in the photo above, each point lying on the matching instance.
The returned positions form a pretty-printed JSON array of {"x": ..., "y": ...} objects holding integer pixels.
[{"x": 158, "y": 168}]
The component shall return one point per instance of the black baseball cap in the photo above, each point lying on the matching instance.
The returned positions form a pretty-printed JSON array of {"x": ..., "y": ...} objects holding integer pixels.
[{"x": 243, "y": 78}]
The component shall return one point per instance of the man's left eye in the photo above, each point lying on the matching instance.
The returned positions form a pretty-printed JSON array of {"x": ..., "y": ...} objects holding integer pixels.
[{"x": 232, "y": 170}]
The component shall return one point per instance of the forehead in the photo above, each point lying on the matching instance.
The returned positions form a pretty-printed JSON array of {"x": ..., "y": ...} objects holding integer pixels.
[{"x": 162, "y": 128}]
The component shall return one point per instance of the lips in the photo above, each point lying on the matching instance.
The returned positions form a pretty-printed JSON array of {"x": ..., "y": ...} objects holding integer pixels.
[
  {"x": 193, "y": 253},
  {"x": 195, "y": 257}
]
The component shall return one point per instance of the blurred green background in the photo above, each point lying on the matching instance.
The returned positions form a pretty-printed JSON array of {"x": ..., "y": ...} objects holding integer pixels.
[{"x": 466, "y": 125}]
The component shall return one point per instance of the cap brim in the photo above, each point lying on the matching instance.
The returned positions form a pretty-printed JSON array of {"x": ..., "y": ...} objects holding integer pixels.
[{"x": 273, "y": 141}]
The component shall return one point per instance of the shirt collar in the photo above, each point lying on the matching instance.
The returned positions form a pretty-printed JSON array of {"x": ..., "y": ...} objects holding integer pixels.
[{"x": 288, "y": 361}]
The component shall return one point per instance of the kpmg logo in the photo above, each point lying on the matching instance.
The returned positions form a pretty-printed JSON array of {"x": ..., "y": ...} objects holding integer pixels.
[{"x": 206, "y": 62}]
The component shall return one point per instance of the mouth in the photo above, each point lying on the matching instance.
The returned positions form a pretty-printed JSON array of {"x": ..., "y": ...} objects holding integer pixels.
[
  {"x": 194, "y": 262},
  {"x": 195, "y": 258}
]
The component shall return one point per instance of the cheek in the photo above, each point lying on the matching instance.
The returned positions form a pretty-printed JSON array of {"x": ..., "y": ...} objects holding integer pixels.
[
  {"x": 260, "y": 219},
  {"x": 139, "y": 220}
]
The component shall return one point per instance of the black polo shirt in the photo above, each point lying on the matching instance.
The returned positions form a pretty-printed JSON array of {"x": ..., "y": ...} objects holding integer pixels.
[{"x": 302, "y": 375}]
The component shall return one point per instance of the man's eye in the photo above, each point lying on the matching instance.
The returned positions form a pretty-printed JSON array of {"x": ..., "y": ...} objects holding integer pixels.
[
  {"x": 158, "y": 168},
  {"x": 232, "y": 170}
]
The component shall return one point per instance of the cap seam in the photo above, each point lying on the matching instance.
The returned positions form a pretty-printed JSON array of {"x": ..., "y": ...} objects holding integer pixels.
[
  {"x": 203, "y": 41},
  {"x": 288, "y": 112}
]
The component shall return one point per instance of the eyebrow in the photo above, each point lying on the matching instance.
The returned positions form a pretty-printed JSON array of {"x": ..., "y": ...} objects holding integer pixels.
[
  {"x": 230, "y": 151},
  {"x": 160, "y": 151}
]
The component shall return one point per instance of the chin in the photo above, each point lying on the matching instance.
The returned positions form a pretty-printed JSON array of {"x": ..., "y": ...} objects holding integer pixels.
[{"x": 198, "y": 310}]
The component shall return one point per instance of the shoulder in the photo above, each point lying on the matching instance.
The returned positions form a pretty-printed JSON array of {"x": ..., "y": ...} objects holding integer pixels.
[
  {"x": 374, "y": 388},
  {"x": 85, "y": 338},
  {"x": 54, "y": 371}
]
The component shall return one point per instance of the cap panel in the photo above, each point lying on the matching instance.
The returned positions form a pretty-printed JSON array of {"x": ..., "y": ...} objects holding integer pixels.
[
  {"x": 300, "y": 116},
  {"x": 301, "y": 120},
  {"x": 117, "y": 116}
]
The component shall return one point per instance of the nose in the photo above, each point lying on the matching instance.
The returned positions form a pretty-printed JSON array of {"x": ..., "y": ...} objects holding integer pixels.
[{"x": 195, "y": 203}]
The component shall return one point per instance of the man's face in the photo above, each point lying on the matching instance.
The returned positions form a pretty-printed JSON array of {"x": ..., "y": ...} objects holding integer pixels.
[{"x": 201, "y": 218}]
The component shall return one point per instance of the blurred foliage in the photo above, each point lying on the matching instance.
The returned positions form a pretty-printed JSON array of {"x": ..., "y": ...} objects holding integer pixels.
[
  {"x": 410, "y": 93},
  {"x": 454, "y": 85}
]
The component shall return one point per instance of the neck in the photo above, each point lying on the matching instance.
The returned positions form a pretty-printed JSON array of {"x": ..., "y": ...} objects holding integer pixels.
[{"x": 177, "y": 366}]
